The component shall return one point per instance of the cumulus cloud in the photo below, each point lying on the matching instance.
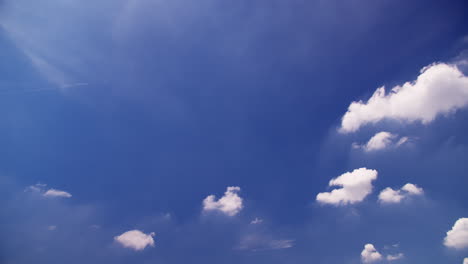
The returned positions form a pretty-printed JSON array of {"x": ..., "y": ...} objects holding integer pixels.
[
  {"x": 230, "y": 204},
  {"x": 395, "y": 257},
  {"x": 355, "y": 186},
  {"x": 465, "y": 261},
  {"x": 135, "y": 239},
  {"x": 369, "y": 254},
  {"x": 382, "y": 140},
  {"x": 439, "y": 89},
  {"x": 389, "y": 195},
  {"x": 458, "y": 237},
  {"x": 41, "y": 189}
]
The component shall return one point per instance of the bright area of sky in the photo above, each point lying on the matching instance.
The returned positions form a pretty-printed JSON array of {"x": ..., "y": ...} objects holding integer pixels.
[{"x": 270, "y": 131}]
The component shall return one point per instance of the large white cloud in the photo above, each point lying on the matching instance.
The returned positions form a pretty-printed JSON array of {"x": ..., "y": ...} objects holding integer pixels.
[
  {"x": 382, "y": 140},
  {"x": 135, "y": 239},
  {"x": 389, "y": 195},
  {"x": 458, "y": 236},
  {"x": 369, "y": 254},
  {"x": 439, "y": 89},
  {"x": 230, "y": 204},
  {"x": 355, "y": 186}
]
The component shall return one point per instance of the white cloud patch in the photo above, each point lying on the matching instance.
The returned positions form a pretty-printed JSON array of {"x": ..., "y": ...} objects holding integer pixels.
[
  {"x": 355, "y": 186},
  {"x": 382, "y": 140},
  {"x": 439, "y": 89},
  {"x": 52, "y": 228},
  {"x": 465, "y": 261},
  {"x": 135, "y": 239},
  {"x": 395, "y": 257},
  {"x": 458, "y": 237},
  {"x": 57, "y": 193},
  {"x": 369, "y": 254},
  {"x": 230, "y": 204},
  {"x": 41, "y": 189},
  {"x": 389, "y": 195}
]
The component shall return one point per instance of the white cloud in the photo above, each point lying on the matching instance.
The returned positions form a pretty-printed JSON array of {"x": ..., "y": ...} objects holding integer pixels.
[
  {"x": 439, "y": 89},
  {"x": 256, "y": 221},
  {"x": 382, "y": 140},
  {"x": 230, "y": 204},
  {"x": 465, "y": 261},
  {"x": 356, "y": 185},
  {"x": 57, "y": 193},
  {"x": 40, "y": 188},
  {"x": 135, "y": 239},
  {"x": 369, "y": 254},
  {"x": 395, "y": 257},
  {"x": 389, "y": 195},
  {"x": 458, "y": 236}
]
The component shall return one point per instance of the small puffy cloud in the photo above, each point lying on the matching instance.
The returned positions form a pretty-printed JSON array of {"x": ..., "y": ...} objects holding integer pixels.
[
  {"x": 395, "y": 257},
  {"x": 135, "y": 239},
  {"x": 230, "y": 204},
  {"x": 41, "y": 189},
  {"x": 439, "y": 89},
  {"x": 382, "y": 140},
  {"x": 256, "y": 221},
  {"x": 57, "y": 193},
  {"x": 389, "y": 195},
  {"x": 458, "y": 237},
  {"x": 369, "y": 254},
  {"x": 355, "y": 186}
]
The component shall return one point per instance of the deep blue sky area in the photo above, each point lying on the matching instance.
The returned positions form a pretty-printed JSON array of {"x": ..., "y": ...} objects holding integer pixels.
[{"x": 125, "y": 115}]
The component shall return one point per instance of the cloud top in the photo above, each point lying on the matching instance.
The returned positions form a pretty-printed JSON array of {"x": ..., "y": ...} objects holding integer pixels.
[
  {"x": 439, "y": 89},
  {"x": 135, "y": 239},
  {"x": 230, "y": 204},
  {"x": 355, "y": 186}
]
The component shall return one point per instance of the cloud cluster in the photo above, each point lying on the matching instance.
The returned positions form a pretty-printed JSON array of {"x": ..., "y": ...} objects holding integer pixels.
[
  {"x": 389, "y": 195},
  {"x": 135, "y": 239},
  {"x": 355, "y": 186},
  {"x": 369, "y": 254},
  {"x": 457, "y": 237},
  {"x": 382, "y": 140},
  {"x": 439, "y": 89},
  {"x": 230, "y": 204}
]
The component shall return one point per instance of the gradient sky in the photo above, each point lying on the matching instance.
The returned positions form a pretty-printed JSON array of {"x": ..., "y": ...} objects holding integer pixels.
[{"x": 125, "y": 115}]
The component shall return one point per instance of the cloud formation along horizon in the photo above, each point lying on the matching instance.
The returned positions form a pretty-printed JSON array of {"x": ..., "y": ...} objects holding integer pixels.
[
  {"x": 440, "y": 89},
  {"x": 230, "y": 204},
  {"x": 135, "y": 239},
  {"x": 355, "y": 186}
]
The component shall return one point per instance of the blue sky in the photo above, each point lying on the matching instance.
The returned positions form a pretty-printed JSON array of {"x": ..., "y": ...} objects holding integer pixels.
[{"x": 236, "y": 131}]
